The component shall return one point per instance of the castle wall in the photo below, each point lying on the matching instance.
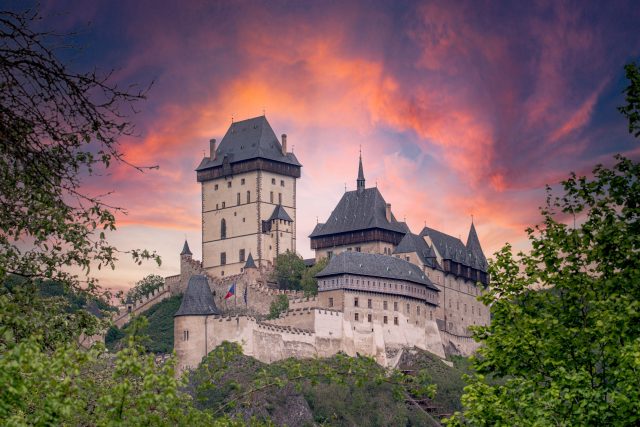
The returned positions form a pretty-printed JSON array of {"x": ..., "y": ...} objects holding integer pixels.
[
  {"x": 140, "y": 306},
  {"x": 377, "y": 247}
]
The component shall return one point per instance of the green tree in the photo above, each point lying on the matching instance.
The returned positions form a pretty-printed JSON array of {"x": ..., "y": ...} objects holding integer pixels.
[
  {"x": 144, "y": 287},
  {"x": 632, "y": 97},
  {"x": 278, "y": 306},
  {"x": 309, "y": 283},
  {"x": 565, "y": 329},
  {"x": 288, "y": 269}
]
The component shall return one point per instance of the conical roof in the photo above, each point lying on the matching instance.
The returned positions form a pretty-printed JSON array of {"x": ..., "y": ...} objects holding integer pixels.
[
  {"x": 250, "y": 263},
  {"x": 280, "y": 213},
  {"x": 185, "y": 249},
  {"x": 197, "y": 299}
]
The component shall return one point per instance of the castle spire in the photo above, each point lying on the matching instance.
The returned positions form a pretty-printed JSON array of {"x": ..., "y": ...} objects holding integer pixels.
[
  {"x": 185, "y": 249},
  {"x": 360, "y": 180}
]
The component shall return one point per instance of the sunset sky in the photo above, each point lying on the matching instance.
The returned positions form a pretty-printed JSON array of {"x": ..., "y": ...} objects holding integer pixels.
[{"x": 461, "y": 108}]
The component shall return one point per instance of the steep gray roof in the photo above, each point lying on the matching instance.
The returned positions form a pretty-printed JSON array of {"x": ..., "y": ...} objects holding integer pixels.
[
  {"x": 358, "y": 210},
  {"x": 185, "y": 249},
  {"x": 250, "y": 262},
  {"x": 280, "y": 213},
  {"x": 413, "y": 243},
  {"x": 453, "y": 249},
  {"x": 249, "y": 139},
  {"x": 473, "y": 245},
  {"x": 197, "y": 299},
  {"x": 376, "y": 265}
]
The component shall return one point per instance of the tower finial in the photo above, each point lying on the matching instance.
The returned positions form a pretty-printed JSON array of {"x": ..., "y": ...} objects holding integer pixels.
[
  {"x": 360, "y": 180},
  {"x": 471, "y": 218}
]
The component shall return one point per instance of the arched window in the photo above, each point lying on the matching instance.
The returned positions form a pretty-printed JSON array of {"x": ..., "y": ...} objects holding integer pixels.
[{"x": 223, "y": 229}]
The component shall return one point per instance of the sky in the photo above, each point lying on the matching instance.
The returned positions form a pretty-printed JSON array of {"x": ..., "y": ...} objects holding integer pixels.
[{"x": 460, "y": 108}]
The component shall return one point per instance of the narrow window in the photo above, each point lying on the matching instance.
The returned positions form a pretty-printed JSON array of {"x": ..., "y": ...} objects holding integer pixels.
[
  {"x": 223, "y": 258},
  {"x": 185, "y": 335},
  {"x": 281, "y": 183},
  {"x": 384, "y": 305},
  {"x": 384, "y": 319},
  {"x": 329, "y": 254},
  {"x": 273, "y": 181},
  {"x": 408, "y": 309},
  {"x": 238, "y": 199},
  {"x": 430, "y": 315},
  {"x": 215, "y": 187},
  {"x": 223, "y": 228},
  {"x": 358, "y": 249},
  {"x": 369, "y": 318},
  {"x": 369, "y": 305},
  {"x": 248, "y": 196},
  {"x": 395, "y": 306},
  {"x": 395, "y": 320},
  {"x": 356, "y": 317},
  {"x": 271, "y": 197},
  {"x": 229, "y": 184},
  {"x": 465, "y": 308},
  {"x": 355, "y": 302},
  {"x": 418, "y": 310},
  {"x": 223, "y": 205},
  {"x": 279, "y": 198},
  {"x": 242, "y": 181},
  {"x": 330, "y": 302},
  {"x": 241, "y": 255}
]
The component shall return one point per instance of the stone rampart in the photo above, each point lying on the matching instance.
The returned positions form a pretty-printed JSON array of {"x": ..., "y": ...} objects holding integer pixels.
[
  {"x": 458, "y": 344},
  {"x": 140, "y": 306}
]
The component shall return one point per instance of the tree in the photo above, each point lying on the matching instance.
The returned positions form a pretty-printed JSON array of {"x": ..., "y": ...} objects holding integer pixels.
[
  {"x": 564, "y": 339},
  {"x": 288, "y": 270},
  {"x": 632, "y": 97},
  {"x": 145, "y": 286},
  {"x": 278, "y": 306},
  {"x": 309, "y": 283}
]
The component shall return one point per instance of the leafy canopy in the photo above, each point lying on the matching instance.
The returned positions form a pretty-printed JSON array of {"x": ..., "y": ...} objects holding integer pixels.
[{"x": 288, "y": 270}]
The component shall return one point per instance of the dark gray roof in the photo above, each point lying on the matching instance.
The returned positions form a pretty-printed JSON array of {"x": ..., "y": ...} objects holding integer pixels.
[
  {"x": 249, "y": 139},
  {"x": 358, "y": 210},
  {"x": 411, "y": 243},
  {"x": 360, "y": 171},
  {"x": 250, "y": 262},
  {"x": 309, "y": 262},
  {"x": 280, "y": 213},
  {"x": 185, "y": 249},
  {"x": 197, "y": 299},
  {"x": 473, "y": 245},
  {"x": 453, "y": 249},
  {"x": 376, "y": 265}
]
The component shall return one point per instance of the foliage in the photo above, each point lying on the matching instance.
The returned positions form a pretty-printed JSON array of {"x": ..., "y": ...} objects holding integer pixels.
[
  {"x": 226, "y": 382},
  {"x": 56, "y": 125},
  {"x": 565, "y": 330},
  {"x": 278, "y": 306},
  {"x": 145, "y": 286},
  {"x": 309, "y": 283},
  {"x": 288, "y": 270},
  {"x": 158, "y": 332},
  {"x": 632, "y": 97}
]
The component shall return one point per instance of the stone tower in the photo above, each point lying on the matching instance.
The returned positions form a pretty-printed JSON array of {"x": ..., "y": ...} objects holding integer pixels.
[{"x": 248, "y": 198}]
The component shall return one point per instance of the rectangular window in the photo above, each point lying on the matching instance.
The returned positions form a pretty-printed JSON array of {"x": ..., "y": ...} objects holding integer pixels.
[
  {"x": 330, "y": 302},
  {"x": 241, "y": 255},
  {"x": 358, "y": 249},
  {"x": 273, "y": 181},
  {"x": 238, "y": 199},
  {"x": 228, "y": 184},
  {"x": 395, "y": 306},
  {"x": 242, "y": 181},
  {"x": 355, "y": 302},
  {"x": 430, "y": 315},
  {"x": 465, "y": 308},
  {"x": 248, "y": 196},
  {"x": 271, "y": 197},
  {"x": 223, "y": 258},
  {"x": 329, "y": 254},
  {"x": 355, "y": 317},
  {"x": 418, "y": 310},
  {"x": 408, "y": 309},
  {"x": 185, "y": 335},
  {"x": 395, "y": 320},
  {"x": 281, "y": 183},
  {"x": 215, "y": 187},
  {"x": 384, "y": 305},
  {"x": 223, "y": 205},
  {"x": 369, "y": 318},
  {"x": 279, "y": 198},
  {"x": 406, "y": 258},
  {"x": 384, "y": 319},
  {"x": 369, "y": 304}
]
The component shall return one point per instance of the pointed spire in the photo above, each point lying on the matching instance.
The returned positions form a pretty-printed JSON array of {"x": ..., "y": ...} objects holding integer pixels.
[
  {"x": 473, "y": 243},
  {"x": 360, "y": 180},
  {"x": 185, "y": 249},
  {"x": 250, "y": 263}
]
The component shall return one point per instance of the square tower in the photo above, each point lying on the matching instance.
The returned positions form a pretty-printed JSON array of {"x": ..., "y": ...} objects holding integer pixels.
[{"x": 248, "y": 198}]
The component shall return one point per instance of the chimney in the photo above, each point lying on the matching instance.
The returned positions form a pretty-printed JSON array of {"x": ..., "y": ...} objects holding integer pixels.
[
  {"x": 284, "y": 144},
  {"x": 212, "y": 149},
  {"x": 388, "y": 212}
]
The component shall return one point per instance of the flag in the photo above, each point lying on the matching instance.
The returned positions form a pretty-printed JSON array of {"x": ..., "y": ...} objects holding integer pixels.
[
  {"x": 232, "y": 291},
  {"x": 245, "y": 294}
]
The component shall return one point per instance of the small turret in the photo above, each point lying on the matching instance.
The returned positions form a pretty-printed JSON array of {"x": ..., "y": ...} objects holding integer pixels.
[
  {"x": 185, "y": 249},
  {"x": 250, "y": 263},
  {"x": 360, "y": 180}
]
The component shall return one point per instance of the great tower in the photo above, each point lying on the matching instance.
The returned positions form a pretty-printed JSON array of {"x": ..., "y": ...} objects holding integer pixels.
[{"x": 248, "y": 198}]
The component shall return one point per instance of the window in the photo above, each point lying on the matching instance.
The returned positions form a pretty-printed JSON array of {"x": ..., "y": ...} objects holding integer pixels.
[
  {"x": 185, "y": 335},
  {"x": 223, "y": 228},
  {"x": 465, "y": 308},
  {"x": 430, "y": 315},
  {"x": 395, "y": 306},
  {"x": 384, "y": 319},
  {"x": 355, "y": 302},
  {"x": 355, "y": 317},
  {"x": 271, "y": 197},
  {"x": 248, "y": 196},
  {"x": 408, "y": 309},
  {"x": 273, "y": 181},
  {"x": 330, "y": 302},
  {"x": 228, "y": 184},
  {"x": 223, "y": 205},
  {"x": 406, "y": 258},
  {"x": 329, "y": 254},
  {"x": 282, "y": 183},
  {"x": 238, "y": 199},
  {"x": 369, "y": 318},
  {"x": 349, "y": 249},
  {"x": 384, "y": 305},
  {"x": 458, "y": 305},
  {"x": 242, "y": 181},
  {"x": 241, "y": 255},
  {"x": 358, "y": 249},
  {"x": 215, "y": 187},
  {"x": 279, "y": 198},
  {"x": 369, "y": 305},
  {"x": 217, "y": 206},
  {"x": 473, "y": 310},
  {"x": 223, "y": 258},
  {"x": 395, "y": 320},
  {"x": 418, "y": 310}
]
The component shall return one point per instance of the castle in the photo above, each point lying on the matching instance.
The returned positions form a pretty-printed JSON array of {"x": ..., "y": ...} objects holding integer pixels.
[{"x": 384, "y": 288}]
